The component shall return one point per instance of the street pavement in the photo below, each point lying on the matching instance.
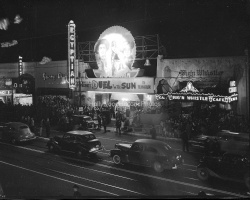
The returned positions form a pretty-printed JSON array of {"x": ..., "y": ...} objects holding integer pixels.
[{"x": 111, "y": 132}]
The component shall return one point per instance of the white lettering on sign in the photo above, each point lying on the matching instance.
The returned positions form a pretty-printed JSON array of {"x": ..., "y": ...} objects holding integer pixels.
[
  {"x": 232, "y": 84},
  {"x": 118, "y": 85},
  {"x": 232, "y": 89},
  {"x": 71, "y": 54},
  {"x": 194, "y": 97}
]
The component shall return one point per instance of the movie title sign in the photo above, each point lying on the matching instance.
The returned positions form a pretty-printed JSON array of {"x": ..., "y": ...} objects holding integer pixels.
[
  {"x": 133, "y": 85},
  {"x": 71, "y": 54},
  {"x": 197, "y": 97},
  {"x": 200, "y": 72}
]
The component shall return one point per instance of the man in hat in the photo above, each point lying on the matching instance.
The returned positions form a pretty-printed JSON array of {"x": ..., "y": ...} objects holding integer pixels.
[{"x": 76, "y": 192}]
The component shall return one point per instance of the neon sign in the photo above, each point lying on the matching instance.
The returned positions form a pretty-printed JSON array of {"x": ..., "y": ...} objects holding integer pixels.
[
  {"x": 115, "y": 52},
  {"x": 71, "y": 54},
  {"x": 197, "y": 97},
  {"x": 190, "y": 93},
  {"x": 20, "y": 65}
]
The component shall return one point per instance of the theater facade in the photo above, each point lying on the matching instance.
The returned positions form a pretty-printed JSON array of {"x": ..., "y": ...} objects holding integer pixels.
[{"x": 220, "y": 81}]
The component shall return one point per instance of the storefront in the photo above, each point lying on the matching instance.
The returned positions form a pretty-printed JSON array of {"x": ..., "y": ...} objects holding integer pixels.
[
  {"x": 99, "y": 91},
  {"x": 51, "y": 79},
  {"x": 11, "y": 83},
  {"x": 203, "y": 81}
]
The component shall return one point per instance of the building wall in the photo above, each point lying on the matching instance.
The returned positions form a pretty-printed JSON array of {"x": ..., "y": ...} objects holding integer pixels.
[
  {"x": 10, "y": 70},
  {"x": 207, "y": 72}
]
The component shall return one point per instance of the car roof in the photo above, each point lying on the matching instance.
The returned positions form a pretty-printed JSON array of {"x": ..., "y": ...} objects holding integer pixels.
[
  {"x": 79, "y": 132},
  {"x": 17, "y": 124},
  {"x": 81, "y": 116},
  {"x": 233, "y": 133},
  {"x": 150, "y": 141}
]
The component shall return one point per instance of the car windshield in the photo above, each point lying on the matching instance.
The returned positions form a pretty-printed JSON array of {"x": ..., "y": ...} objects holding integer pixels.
[
  {"x": 23, "y": 127},
  {"x": 89, "y": 137},
  {"x": 167, "y": 147},
  {"x": 87, "y": 118}
]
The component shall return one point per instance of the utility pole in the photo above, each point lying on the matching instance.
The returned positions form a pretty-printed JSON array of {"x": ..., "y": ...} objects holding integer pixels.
[{"x": 80, "y": 92}]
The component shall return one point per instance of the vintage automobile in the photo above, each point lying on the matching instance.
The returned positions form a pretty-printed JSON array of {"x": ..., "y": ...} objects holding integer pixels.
[
  {"x": 224, "y": 141},
  {"x": 147, "y": 152},
  {"x": 16, "y": 132},
  {"x": 229, "y": 166},
  {"x": 79, "y": 120},
  {"x": 78, "y": 142},
  {"x": 204, "y": 143}
]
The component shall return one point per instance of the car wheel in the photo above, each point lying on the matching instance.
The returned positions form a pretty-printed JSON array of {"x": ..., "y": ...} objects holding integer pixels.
[
  {"x": 13, "y": 141},
  {"x": 157, "y": 166},
  {"x": 202, "y": 173},
  {"x": 247, "y": 181},
  {"x": 117, "y": 159},
  {"x": 79, "y": 153}
]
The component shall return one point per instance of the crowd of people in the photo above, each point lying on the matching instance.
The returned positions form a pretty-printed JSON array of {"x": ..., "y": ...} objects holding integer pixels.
[
  {"x": 207, "y": 122},
  {"x": 59, "y": 110}
]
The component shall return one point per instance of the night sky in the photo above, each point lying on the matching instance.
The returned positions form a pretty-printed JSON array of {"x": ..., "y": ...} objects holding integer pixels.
[{"x": 187, "y": 28}]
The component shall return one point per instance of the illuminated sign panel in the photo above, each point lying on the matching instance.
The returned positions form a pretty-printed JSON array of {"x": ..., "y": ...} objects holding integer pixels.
[
  {"x": 197, "y": 97},
  {"x": 232, "y": 87},
  {"x": 71, "y": 54},
  {"x": 133, "y": 85},
  {"x": 20, "y": 66},
  {"x": 115, "y": 52},
  {"x": 190, "y": 93}
]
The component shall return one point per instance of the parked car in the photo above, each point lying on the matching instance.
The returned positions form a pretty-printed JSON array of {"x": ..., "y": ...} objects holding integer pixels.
[
  {"x": 205, "y": 144},
  {"x": 229, "y": 166},
  {"x": 234, "y": 142},
  {"x": 224, "y": 141},
  {"x": 147, "y": 152},
  {"x": 78, "y": 142},
  {"x": 15, "y": 132},
  {"x": 86, "y": 121}
]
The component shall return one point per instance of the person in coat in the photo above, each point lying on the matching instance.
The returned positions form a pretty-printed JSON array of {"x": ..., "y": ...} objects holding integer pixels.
[
  {"x": 104, "y": 123},
  {"x": 47, "y": 127},
  {"x": 118, "y": 125}
]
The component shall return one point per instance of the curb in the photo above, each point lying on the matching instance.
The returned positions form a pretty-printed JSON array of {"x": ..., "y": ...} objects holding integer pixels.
[{"x": 132, "y": 134}]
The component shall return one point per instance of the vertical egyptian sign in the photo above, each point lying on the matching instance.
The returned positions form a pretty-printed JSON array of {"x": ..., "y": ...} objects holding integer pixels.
[
  {"x": 20, "y": 66},
  {"x": 71, "y": 53}
]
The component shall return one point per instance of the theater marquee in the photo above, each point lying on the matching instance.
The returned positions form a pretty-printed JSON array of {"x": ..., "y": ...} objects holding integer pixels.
[{"x": 132, "y": 85}]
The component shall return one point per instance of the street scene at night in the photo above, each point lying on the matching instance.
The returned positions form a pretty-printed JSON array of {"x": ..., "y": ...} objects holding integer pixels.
[{"x": 124, "y": 99}]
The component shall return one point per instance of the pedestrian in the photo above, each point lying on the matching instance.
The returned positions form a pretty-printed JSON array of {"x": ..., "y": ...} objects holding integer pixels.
[
  {"x": 153, "y": 132},
  {"x": 1, "y": 192},
  {"x": 104, "y": 123},
  {"x": 76, "y": 194},
  {"x": 32, "y": 124},
  {"x": 99, "y": 119},
  {"x": 118, "y": 125},
  {"x": 41, "y": 127},
  {"x": 47, "y": 127}
]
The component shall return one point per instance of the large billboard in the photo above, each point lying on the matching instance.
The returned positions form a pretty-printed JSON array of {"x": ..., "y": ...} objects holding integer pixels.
[{"x": 115, "y": 53}]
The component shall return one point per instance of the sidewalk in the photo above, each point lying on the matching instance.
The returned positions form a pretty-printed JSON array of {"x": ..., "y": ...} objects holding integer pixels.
[{"x": 144, "y": 134}]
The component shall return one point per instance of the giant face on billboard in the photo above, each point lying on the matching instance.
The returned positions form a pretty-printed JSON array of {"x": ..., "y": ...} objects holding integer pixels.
[{"x": 115, "y": 52}]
